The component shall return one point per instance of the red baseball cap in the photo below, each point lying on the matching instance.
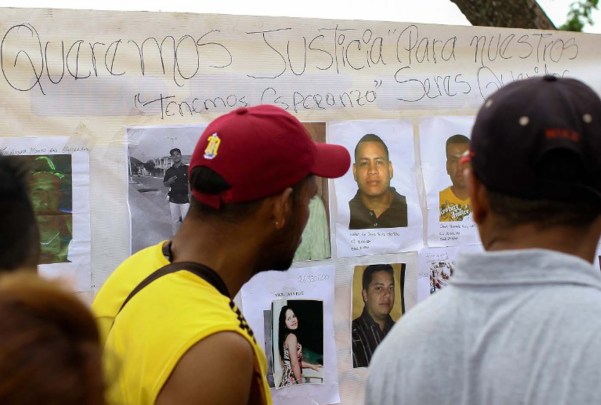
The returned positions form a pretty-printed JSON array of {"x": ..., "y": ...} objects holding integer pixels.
[{"x": 260, "y": 151}]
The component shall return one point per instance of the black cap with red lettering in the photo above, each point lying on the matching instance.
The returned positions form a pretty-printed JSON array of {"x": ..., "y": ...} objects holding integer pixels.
[{"x": 540, "y": 138}]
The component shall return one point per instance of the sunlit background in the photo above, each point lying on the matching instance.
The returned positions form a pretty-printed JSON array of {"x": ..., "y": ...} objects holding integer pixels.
[{"x": 419, "y": 11}]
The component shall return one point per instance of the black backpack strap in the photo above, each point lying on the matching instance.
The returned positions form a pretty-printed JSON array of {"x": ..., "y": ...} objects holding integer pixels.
[{"x": 202, "y": 271}]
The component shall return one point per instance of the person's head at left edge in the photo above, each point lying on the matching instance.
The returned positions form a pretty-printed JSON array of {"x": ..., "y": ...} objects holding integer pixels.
[{"x": 19, "y": 234}]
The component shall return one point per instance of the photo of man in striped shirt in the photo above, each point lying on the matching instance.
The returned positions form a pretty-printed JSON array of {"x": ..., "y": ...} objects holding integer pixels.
[{"x": 370, "y": 328}]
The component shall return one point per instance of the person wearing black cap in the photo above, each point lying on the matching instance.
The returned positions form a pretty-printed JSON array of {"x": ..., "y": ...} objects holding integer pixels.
[
  {"x": 519, "y": 323},
  {"x": 176, "y": 178},
  {"x": 177, "y": 333}
]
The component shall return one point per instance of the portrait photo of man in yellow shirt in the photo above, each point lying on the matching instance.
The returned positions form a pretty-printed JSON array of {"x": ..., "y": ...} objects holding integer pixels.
[{"x": 454, "y": 202}]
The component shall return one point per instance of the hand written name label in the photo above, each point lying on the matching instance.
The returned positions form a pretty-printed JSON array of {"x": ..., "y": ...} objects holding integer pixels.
[
  {"x": 312, "y": 278},
  {"x": 361, "y": 240},
  {"x": 290, "y": 294}
]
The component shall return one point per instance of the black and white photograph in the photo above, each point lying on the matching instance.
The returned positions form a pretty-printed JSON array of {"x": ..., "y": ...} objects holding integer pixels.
[{"x": 158, "y": 190}]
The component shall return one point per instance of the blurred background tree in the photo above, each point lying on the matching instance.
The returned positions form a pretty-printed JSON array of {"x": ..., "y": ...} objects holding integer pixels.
[
  {"x": 579, "y": 15},
  {"x": 524, "y": 14}
]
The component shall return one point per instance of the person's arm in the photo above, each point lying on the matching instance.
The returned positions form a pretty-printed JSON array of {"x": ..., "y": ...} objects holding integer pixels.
[
  {"x": 312, "y": 366},
  {"x": 168, "y": 181},
  {"x": 306, "y": 364},
  {"x": 217, "y": 370},
  {"x": 295, "y": 364}
]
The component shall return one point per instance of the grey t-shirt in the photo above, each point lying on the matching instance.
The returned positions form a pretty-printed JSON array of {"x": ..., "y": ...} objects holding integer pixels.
[{"x": 512, "y": 327}]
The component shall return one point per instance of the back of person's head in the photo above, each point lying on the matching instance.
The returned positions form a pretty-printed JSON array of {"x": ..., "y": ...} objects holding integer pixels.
[
  {"x": 374, "y": 268},
  {"x": 49, "y": 345},
  {"x": 536, "y": 147},
  {"x": 370, "y": 138},
  {"x": 252, "y": 153},
  {"x": 19, "y": 234},
  {"x": 456, "y": 139}
]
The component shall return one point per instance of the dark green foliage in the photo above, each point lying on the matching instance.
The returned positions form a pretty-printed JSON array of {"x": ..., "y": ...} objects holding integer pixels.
[{"x": 580, "y": 15}]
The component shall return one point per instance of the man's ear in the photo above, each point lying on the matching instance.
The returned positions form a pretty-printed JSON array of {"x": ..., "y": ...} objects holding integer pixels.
[
  {"x": 364, "y": 295},
  {"x": 282, "y": 207},
  {"x": 390, "y": 170},
  {"x": 478, "y": 196},
  {"x": 355, "y": 171}
]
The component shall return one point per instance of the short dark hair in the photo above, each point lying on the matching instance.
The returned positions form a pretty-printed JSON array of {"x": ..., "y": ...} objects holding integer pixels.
[
  {"x": 175, "y": 150},
  {"x": 208, "y": 181},
  {"x": 50, "y": 345},
  {"x": 456, "y": 139},
  {"x": 576, "y": 210},
  {"x": 19, "y": 234},
  {"x": 371, "y": 138},
  {"x": 374, "y": 268},
  {"x": 513, "y": 211}
]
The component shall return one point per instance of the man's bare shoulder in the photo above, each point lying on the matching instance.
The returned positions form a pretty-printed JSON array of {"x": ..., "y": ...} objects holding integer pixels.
[{"x": 216, "y": 370}]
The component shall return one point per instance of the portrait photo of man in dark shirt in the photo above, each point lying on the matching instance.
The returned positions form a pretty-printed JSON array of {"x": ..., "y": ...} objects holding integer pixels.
[
  {"x": 376, "y": 204},
  {"x": 454, "y": 201},
  {"x": 374, "y": 323}
]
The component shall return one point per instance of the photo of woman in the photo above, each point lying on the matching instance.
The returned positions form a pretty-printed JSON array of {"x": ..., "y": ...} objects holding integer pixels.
[{"x": 295, "y": 368}]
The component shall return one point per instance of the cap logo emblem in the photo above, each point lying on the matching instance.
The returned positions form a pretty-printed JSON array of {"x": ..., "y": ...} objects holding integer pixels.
[
  {"x": 562, "y": 133},
  {"x": 213, "y": 146}
]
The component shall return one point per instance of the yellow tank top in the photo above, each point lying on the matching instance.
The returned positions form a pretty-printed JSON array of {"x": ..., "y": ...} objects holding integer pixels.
[{"x": 153, "y": 331}]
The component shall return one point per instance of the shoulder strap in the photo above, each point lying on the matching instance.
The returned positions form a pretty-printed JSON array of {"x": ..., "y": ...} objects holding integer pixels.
[{"x": 202, "y": 271}]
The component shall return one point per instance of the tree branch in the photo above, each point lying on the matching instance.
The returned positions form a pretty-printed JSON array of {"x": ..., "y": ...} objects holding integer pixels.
[{"x": 510, "y": 14}]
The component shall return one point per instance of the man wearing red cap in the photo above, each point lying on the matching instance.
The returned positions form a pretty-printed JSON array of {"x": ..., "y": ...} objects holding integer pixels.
[
  {"x": 167, "y": 313},
  {"x": 519, "y": 323}
]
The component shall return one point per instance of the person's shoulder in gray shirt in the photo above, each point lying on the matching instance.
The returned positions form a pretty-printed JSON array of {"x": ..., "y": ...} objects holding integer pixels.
[{"x": 519, "y": 323}]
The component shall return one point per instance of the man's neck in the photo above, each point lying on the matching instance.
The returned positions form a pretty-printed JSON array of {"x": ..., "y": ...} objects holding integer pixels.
[
  {"x": 378, "y": 204},
  {"x": 380, "y": 321},
  {"x": 231, "y": 254},
  {"x": 460, "y": 192},
  {"x": 569, "y": 240},
  {"x": 176, "y": 165}
]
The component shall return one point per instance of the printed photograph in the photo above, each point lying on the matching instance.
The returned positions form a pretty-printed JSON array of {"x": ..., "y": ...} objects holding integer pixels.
[
  {"x": 158, "y": 191},
  {"x": 376, "y": 204},
  {"x": 51, "y": 193},
  {"x": 268, "y": 348},
  {"x": 453, "y": 201},
  {"x": 440, "y": 274},
  {"x": 378, "y": 303},
  {"x": 315, "y": 244},
  {"x": 377, "y": 201},
  {"x": 297, "y": 333}
]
